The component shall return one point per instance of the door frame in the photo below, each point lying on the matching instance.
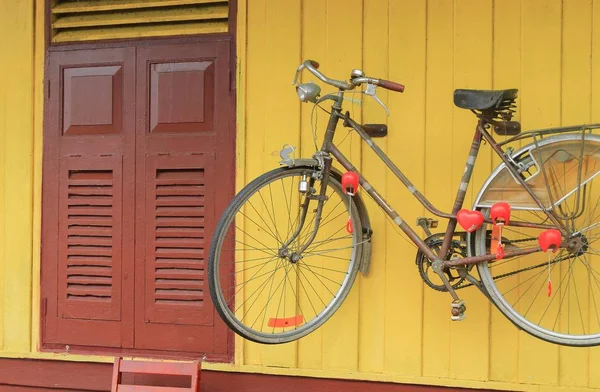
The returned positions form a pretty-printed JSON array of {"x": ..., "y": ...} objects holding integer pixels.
[{"x": 50, "y": 47}]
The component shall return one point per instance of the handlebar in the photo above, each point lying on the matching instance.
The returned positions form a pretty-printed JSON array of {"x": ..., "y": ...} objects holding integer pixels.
[{"x": 312, "y": 66}]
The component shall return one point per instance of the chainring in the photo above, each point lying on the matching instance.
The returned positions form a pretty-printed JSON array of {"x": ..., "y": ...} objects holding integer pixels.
[{"x": 458, "y": 249}]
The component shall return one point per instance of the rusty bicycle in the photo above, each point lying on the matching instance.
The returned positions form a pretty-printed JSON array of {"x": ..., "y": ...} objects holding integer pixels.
[{"x": 287, "y": 249}]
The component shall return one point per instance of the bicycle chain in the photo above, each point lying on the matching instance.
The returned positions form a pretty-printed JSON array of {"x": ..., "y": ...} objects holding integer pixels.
[
  {"x": 501, "y": 276},
  {"x": 464, "y": 284}
]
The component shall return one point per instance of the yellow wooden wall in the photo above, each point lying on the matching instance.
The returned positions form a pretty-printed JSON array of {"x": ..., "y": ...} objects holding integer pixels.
[
  {"x": 391, "y": 326},
  {"x": 17, "y": 101}
]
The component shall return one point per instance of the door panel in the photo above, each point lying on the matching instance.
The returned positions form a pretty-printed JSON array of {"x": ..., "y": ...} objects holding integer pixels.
[
  {"x": 182, "y": 117},
  {"x": 87, "y": 206}
]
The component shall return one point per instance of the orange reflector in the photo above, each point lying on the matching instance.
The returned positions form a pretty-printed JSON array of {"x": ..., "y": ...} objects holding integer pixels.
[
  {"x": 495, "y": 239},
  {"x": 286, "y": 322}
]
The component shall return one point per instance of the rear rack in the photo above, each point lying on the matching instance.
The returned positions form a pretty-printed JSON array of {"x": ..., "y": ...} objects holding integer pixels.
[{"x": 551, "y": 131}]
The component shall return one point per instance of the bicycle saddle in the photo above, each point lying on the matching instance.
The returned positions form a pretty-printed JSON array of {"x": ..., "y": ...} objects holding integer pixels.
[{"x": 483, "y": 99}]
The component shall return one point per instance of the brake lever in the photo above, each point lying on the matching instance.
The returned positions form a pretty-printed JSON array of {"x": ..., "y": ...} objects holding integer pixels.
[
  {"x": 300, "y": 68},
  {"x": 372, "y": 90}
]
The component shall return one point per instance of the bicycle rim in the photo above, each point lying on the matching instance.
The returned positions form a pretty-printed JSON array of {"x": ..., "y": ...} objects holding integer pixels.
[
  {"x": 566, "y": 311},
  {"x": 257, "y": 287}
]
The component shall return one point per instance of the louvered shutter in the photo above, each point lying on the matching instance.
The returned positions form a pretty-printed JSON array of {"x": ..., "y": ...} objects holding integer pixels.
[
  {"x": 179, "y": 200},
  {"x": 87, "y": 273},
  {"x": 84, "y": 20},
  {"x": 185, "y": 177}
]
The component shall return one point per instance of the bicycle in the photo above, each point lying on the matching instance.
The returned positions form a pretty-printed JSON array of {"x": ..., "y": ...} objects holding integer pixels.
[{"x": 299, "y": 234}]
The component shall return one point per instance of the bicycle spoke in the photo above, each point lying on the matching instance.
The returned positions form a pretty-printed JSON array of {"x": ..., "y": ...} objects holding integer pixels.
[
  {"x": 269, "y": 231},
  {"x": 270, "y": 217},
  {"x": 320, "y": 280},
  {"x": 262, "y": 286},
  {"x": 579, "y": 304},
  {"x": 302, "y": 273},
  {"x": 258, "y": 249},
  {"x": 261, "y": 217},
  {"x": 280, "y": 298},
  {"x": 260, "y": 243},
  {"x": 324, "y": 255},
  {"x": 553, "y": 297},
  {"x": 253, "y": 277},
  {"x": 264, "y": 309}
]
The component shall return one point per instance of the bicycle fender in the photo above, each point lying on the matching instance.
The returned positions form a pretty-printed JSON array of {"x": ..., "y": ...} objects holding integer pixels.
[{"x": 367, "y": 231}]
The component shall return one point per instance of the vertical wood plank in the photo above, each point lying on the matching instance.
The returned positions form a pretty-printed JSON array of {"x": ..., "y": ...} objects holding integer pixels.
[
  {"x": 472, "y": 69},
  {"x": 3, "y": 49},
  {"x": 594, "y": 358},
  {"x": 314, "y": 21},
  {"x": 242, "y": 98},
  {"x": 282, "y": 52},
  {"x": 504, "y": 337},
  {"x": 257, "y": 105},
  {"x": 438, "y": 142},
  {"x": 406, "y": 147},
  {"x": 540, "y": 98},
  {"x": 17, "y": 82},
  {"x": 576, "y": 93},
  {"x": 344, "y": 52},
  {"x": 38, "y": 115},
  {"x": 372, "y": 310}
]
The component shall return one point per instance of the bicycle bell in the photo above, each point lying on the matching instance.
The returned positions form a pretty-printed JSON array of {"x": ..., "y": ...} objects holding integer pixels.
[
  {"x": 308, "y": 92},
  {"x": 357, "y": 73}
]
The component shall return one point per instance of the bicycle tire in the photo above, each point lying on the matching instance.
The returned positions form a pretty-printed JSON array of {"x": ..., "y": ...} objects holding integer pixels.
[
  {"x": 223, "y": 309},
  {"x": 504, "y": 300}
]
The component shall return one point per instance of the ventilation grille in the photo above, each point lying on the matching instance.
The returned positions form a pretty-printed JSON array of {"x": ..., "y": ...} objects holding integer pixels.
[
  {"x": 179, "y": 237},
  {"x": 85, "y": 20},
  {"x": 89, "y": 235}
]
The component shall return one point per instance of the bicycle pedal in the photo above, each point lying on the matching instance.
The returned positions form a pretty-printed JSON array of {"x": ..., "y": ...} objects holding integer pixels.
[
  {"x": 427, "y": 222},
  {"x": 458, "y": 309}
]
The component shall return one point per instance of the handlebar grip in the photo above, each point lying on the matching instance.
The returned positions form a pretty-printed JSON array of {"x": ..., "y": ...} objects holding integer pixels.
[
  {"x": 314, "y": 64},
  {"x": 391, "y": 85}
]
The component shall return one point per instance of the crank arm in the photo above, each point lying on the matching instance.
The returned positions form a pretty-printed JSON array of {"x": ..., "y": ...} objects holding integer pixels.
[{"x": 438, "y": 268}]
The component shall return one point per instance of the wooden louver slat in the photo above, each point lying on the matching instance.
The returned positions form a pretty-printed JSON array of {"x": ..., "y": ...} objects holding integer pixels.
[
  {"x": 179, "y": 261},
  {"x": 112, "y": 19},
  {"x": 89, "y": 245}
]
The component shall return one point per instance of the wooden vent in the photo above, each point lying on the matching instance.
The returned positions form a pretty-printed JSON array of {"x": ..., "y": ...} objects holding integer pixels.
[
  {"x": 85, "y": 20},
  {"x": 179, "y": 237},
  {"x": 89, "y": 235}
]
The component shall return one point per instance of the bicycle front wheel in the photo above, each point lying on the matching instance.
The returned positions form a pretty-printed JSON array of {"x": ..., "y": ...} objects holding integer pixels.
[
  {"x": 264, "y": 287},
  {"x": 563, "y": 172}
]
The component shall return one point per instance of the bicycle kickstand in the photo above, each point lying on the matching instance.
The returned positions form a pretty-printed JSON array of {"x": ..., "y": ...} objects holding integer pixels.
[{"x": 457, "y": 306}]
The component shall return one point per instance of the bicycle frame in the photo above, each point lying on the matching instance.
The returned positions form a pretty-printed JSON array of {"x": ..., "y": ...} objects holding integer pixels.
[{"x": 329, "y": 148}]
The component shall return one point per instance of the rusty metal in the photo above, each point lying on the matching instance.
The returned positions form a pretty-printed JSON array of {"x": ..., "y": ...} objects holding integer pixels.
[
  {"x": 547, "y": 131},
  {"x": 462, "y": 188},
  {"x": 481, "y": 259},
  {"x": 551, "y": 214},
  {"x": 381, "y": 202}
]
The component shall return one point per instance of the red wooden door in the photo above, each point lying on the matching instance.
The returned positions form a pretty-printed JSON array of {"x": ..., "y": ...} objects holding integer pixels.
[
  {"x": 135, "y": 141},
  {"x": 184, "y": 143},
  {"x": 87, "y": 281}
]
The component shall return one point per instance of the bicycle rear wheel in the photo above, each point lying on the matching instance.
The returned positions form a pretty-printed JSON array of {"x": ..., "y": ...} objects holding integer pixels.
[
  {"x": 264, "y": 288},
  {"x": 563, "y": 172}
]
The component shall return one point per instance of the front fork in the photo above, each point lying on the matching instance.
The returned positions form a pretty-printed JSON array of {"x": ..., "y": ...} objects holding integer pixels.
[{"x": 321, "y": 197}]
